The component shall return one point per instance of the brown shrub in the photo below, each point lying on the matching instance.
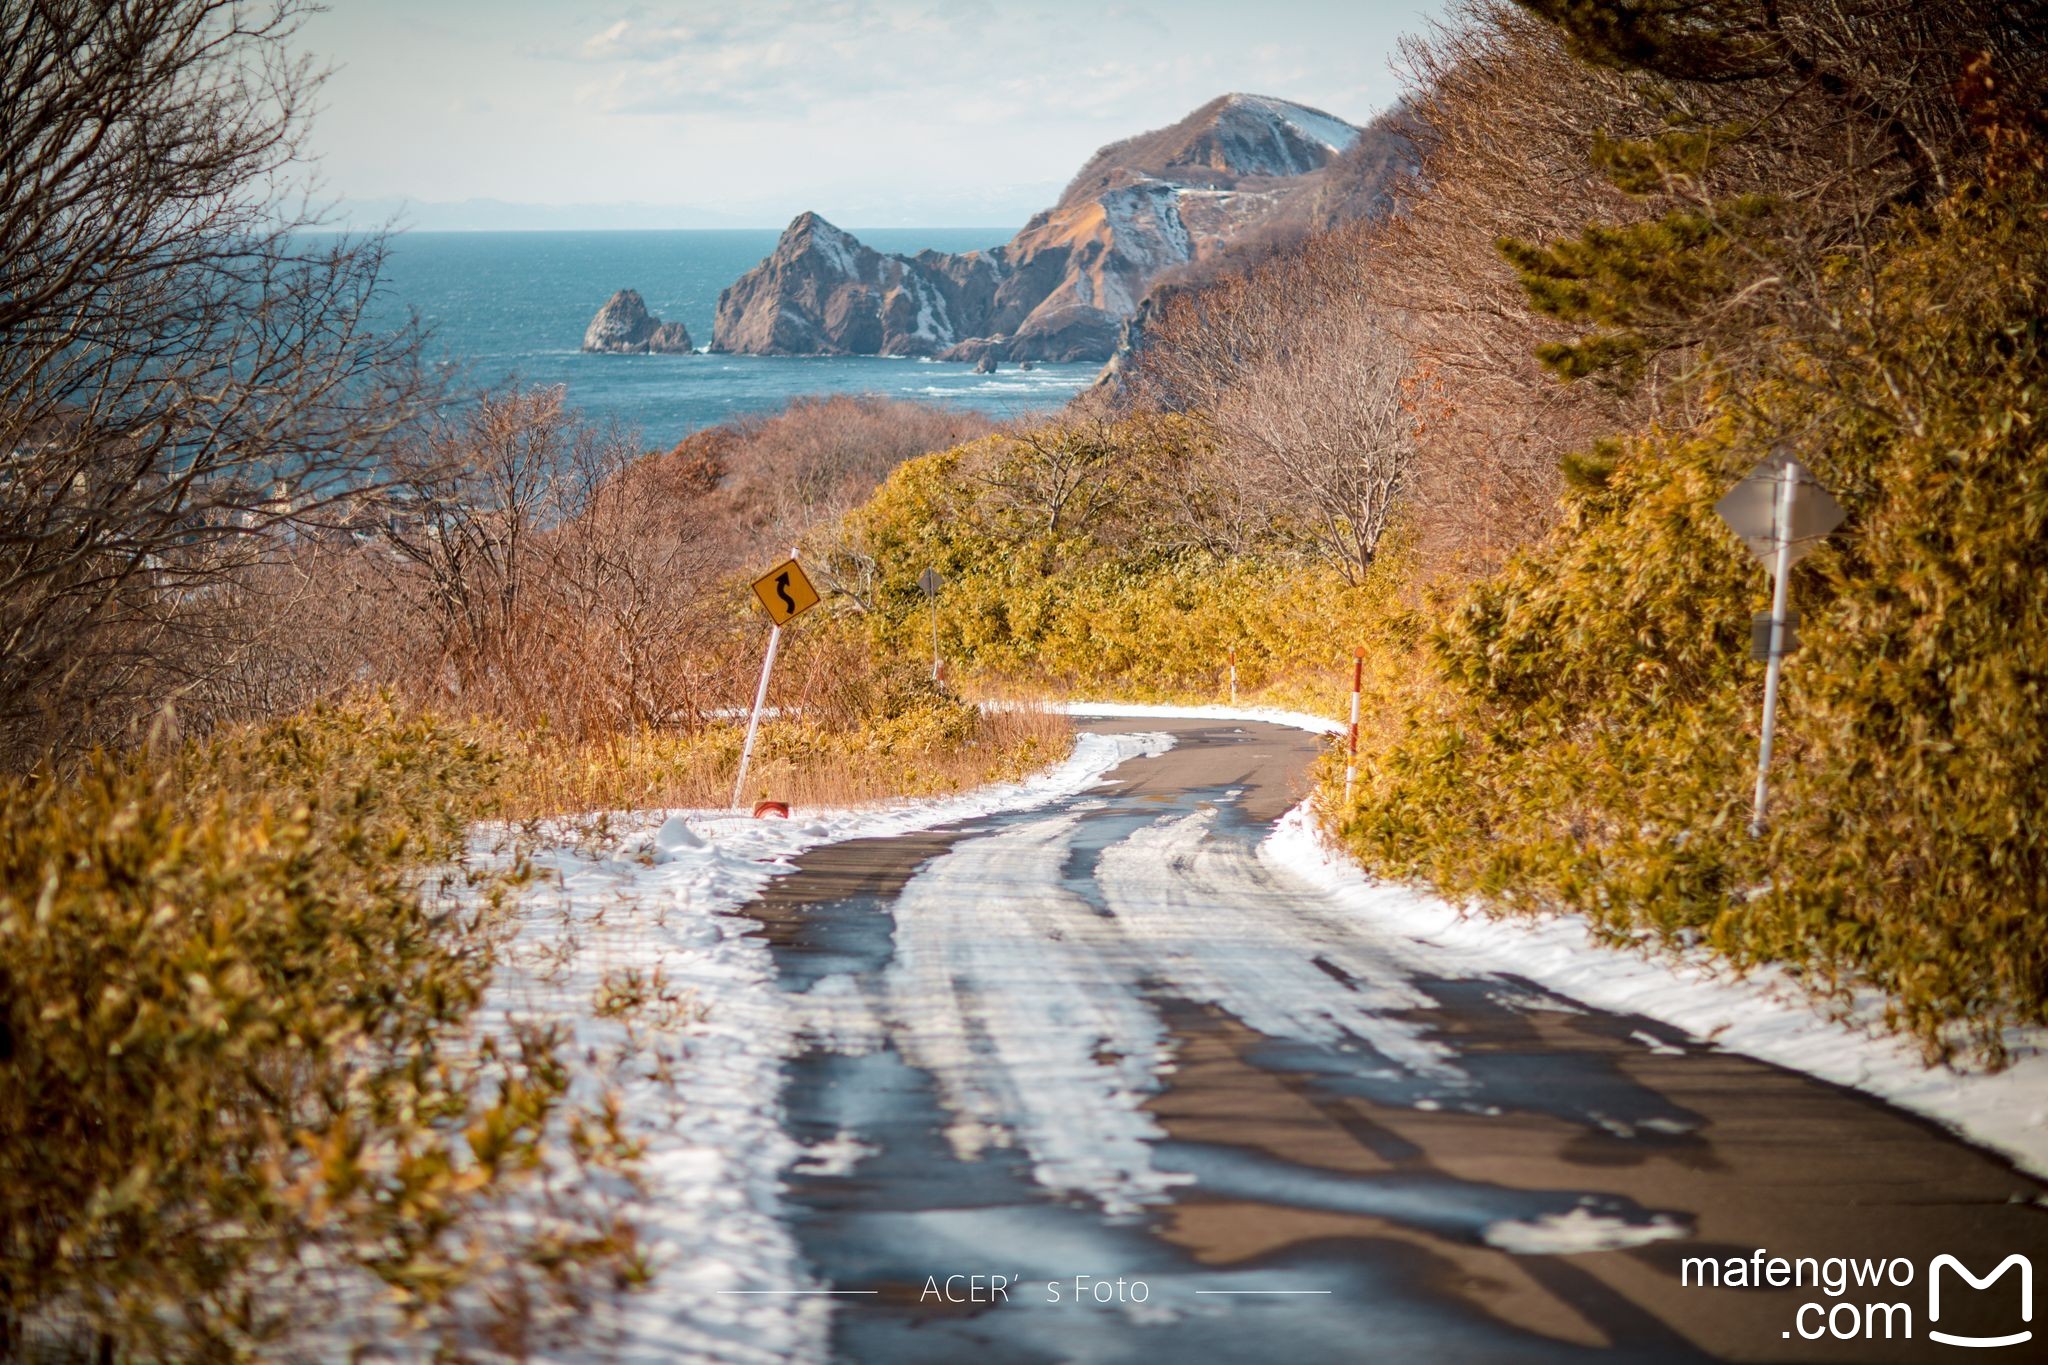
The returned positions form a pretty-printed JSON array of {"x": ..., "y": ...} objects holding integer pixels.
[{"x": 810, "y": 463}]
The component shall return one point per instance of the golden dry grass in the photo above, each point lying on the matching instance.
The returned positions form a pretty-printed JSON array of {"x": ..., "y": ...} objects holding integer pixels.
[{"x": 802, "y": 764}]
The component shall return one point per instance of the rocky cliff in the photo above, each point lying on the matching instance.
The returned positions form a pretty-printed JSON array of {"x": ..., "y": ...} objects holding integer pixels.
[
  {"x": 821, "y": 292},
  {"x": 1061, "y": 288},
  {"x": 625, "y": 327}
]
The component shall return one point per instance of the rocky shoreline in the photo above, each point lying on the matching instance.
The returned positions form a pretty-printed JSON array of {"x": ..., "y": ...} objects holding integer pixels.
[{"x": 1064, "y": 288}]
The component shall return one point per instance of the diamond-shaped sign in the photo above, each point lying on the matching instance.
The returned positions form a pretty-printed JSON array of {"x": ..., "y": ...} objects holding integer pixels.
[
  {"x": 1751, "y": 509},
  {"x": 931, "y": 582},
  {"x": 786, "y": 592}
]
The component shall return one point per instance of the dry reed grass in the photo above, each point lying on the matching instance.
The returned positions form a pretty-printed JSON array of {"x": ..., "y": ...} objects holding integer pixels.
[{"x": 803, "y": 764}]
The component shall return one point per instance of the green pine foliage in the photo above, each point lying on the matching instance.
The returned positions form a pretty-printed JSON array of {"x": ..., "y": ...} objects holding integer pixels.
[
  {"x": 1641, "y": 287},
  {"x": 1712, "y": 39}
]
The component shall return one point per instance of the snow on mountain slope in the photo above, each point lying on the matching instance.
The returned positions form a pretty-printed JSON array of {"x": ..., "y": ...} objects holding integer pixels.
[
  {"x": 1061, "y": 288},
  {"x": 1231, "y": 139},
  {"x": 1313, "y": 124}
]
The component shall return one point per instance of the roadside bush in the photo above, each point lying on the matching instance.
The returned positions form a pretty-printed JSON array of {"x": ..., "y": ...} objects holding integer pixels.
[
  {"x": 1592, "y": 740},
  {"x": 228, "y": 992},
  {"x": 1124, "y": 601}
]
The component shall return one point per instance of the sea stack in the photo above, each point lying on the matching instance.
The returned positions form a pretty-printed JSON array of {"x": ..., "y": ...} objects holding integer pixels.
[{"x": 625, "y": 327}]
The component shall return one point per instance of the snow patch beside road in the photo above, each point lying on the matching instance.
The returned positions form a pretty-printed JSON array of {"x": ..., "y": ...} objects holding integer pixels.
[
  {"x": 1764, "y": 1014},
  {"x": 1112, "y": 710},
  {"x": 698, "y": 1066}
]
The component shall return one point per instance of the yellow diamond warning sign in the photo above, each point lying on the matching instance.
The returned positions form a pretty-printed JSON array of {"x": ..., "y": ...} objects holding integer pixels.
[{"x": 785, "y": 592}]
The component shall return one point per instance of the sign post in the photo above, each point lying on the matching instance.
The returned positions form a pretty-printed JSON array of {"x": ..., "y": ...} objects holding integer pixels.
[
  {"x": 787, "y": 594},
  {"x": 1781, "y": 512},
  {"x": 930, "y": 581},
  {"x": 1781, "y": 587},
  {"x": 1233, "y": 677}
]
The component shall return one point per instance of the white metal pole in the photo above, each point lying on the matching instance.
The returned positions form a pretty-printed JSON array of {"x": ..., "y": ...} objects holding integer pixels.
[
  {"x": 754, "y": 722},
  {"x": 1788, "y": 490},
  {"x": 1357, "y": 684},
  {"x": 935, "y": 637},
  {"x": 1233, "y": 677}
]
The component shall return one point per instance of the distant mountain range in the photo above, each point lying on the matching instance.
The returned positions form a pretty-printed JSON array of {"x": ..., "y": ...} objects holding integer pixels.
[
  {"x": 1164, "y": 201},
  {"x": 498, "y": 215}
]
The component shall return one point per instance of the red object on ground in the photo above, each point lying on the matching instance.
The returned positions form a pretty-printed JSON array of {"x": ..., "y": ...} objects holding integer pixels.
[{"x": 764, "y": 809}]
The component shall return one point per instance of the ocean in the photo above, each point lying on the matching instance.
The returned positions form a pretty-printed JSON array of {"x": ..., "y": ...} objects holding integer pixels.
[{"x": 506, "y": 305}]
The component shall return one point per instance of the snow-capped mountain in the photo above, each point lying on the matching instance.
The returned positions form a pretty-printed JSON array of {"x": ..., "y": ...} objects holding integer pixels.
[
  {"x": 1059, "y": 289},
  {"x": 1231, "y": 139}
]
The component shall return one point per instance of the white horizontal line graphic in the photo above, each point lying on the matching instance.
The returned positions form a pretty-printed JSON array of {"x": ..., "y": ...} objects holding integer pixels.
[
  {"x": 799, "y": 1291},
  {"x": 1262, "y": 1291}
]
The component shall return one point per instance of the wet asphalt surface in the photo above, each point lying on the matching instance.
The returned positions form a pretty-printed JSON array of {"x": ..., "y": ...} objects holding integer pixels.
[{"x": 1321, "y": 1193}]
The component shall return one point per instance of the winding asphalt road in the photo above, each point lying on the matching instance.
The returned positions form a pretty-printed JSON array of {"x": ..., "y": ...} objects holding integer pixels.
[{"x": 1106, "y": 1039}]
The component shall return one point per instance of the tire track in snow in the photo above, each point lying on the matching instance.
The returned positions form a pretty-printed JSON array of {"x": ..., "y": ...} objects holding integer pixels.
[
  {"x": 1217, "y": 928},
  {"x": 1014, "y": 994},
  {"x": 1034, "y": 1013}
]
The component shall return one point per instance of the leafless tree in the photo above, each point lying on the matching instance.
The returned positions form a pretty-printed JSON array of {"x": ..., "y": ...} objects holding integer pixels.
[
  {"x": 544, "y": 572},
  {"x": 1326, "y": 436},
  {"x": 185, "y": 374},
  {"x": 1059, "y": 478},
  {"x": 639, "y": 597},
  {"x": 810, "y": 463},
  {"x": 470, "y": 505}
]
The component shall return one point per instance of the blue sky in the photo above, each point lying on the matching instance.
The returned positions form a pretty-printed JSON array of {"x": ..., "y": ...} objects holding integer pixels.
[{"x": 746, "y": 112}]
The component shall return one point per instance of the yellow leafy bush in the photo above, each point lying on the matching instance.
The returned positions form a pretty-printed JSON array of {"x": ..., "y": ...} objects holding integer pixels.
[
  {"x": 1120, "y": 606},
  {"x": 227, "y": 982}
]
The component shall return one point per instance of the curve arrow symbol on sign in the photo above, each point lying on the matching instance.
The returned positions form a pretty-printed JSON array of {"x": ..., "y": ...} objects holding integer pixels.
[{"x": 785, "y": 592}]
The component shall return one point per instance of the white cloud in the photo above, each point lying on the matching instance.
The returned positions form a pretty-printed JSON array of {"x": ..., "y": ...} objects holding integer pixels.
[
  {"x": 917, "y": 109},
  {"x": 792, "y": 60}
]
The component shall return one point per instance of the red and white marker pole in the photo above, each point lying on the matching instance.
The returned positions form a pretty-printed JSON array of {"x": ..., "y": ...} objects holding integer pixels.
[
  {"x": 1357, "y": 686},
  {"x": 1233, "y": 677}
]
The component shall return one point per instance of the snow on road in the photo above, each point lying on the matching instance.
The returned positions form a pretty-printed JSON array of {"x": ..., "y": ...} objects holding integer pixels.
[
  {"x": 1229, "y": 931},
  {"x": 1026, "y": 968},
  {"x": 1581, "y": 1230},
  {"x": 1008, "y": 989},
  {"x": 1035, "y": 1010},
  {"x": 1764, "y": 1014},
  {"x": 698, "y": 1067}
]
